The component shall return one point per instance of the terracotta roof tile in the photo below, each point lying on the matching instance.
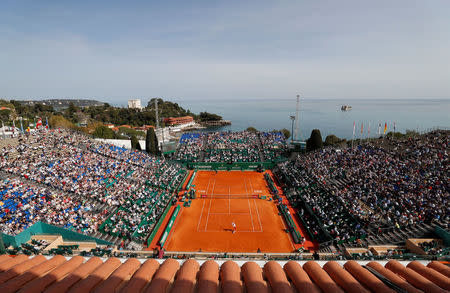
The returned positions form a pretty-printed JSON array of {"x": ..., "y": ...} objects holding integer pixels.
[
  {"x": 367, "y": 278},
  {"x": 142, "y": 277},
  {"x": 36, "y": 271},
  {"x": 164, "y": 276},
  {"x": 39, "y": 284},
  {"x": 394, "y": 278},
  {"x": 277, "y": 278},
  {"x": 58, "y": 274},
  {"x": 186, "y": 277},
  {"x": 300, "y": 278},
  {"x": 7, "y": 264},
  {"x": 413, "y": 278},
  {"x": 208, "y": 279},
  {"x": 75, "y": 276},
  {"x": 343, "y": 278},
  {"x": 432, "y": 275},
  {"x": 230, "y": 275},
  {"x": 21, "y": 268},
  {"x": 100, "y": 274},
  {"x": 441, "y": 268},
  {"x": 122, "y": 274},
  {"x": 4, "y": 257},
  {"x": 321, "y": 278},
  {"x": 253, "y": 278}
]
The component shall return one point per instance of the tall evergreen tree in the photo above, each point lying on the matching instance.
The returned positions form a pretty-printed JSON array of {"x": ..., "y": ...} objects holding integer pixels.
[
  {"x": 134, "y": 142},
  {"x": 151, "y": 142},
  {"x": 148, "y": 140},
  {"x": 315, "y": 141},
  {"x": 156, "y": 145}
]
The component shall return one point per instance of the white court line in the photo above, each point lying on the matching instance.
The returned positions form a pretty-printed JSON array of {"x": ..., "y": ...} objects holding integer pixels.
[
  {"x": 209, "y": 181},
  {"x": 256, "y": 207},
  {"x": 249, "y": 207},
  {"x": 247, "y": 231},
  {"x": 251, "y": 186},
  {"x": 257, "y": 212},
  {"x": 201, "y": 214},
  {"x": 228, "y": 213},
  {"x": 210, "y": 202}
]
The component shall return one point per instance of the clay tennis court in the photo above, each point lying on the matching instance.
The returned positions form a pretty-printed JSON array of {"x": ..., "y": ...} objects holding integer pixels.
[{"x": 224, "y": 198}]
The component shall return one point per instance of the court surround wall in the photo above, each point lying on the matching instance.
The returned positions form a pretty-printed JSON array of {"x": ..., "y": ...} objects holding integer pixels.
[{"x": 40, "y": 228}]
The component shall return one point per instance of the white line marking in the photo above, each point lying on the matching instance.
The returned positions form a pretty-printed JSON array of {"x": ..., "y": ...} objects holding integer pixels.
[
  {"x": 249, "y": 207},
  {"x": 257, "y": 212},
  {"x": 251, "y": 186},
  {"x": 210, "y": 202},
  {"x": 201, "y": 216},
  {"x": 208, "y": 185},
  {"x": 247, "y": 231},
  {"x": 228, "y": 213}
]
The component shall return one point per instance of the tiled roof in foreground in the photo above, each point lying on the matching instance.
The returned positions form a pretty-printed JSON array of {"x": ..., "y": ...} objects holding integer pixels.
[{"x": 76, "y": 274}]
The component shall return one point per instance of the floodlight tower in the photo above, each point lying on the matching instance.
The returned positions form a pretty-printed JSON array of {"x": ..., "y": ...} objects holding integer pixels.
[
  {"x": 297, "y": 118},
  {"x": 157, "y": 114}
]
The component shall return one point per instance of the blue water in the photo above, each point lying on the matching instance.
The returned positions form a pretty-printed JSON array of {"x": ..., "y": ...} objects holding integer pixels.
[{"x": 326, "y": 114}]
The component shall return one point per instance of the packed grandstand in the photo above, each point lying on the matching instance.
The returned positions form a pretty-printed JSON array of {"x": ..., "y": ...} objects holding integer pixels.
[
  {"x": 231, "y": 147},
  {"x": 379, "y": 192}
]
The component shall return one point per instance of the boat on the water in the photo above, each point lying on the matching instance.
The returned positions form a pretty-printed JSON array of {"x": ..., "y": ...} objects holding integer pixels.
[{"x": 346, "y": 108}]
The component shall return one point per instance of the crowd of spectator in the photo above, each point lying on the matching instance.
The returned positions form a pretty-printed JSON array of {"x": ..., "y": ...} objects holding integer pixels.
[
  {"x": 62, "y": 174},
  {"x": 325, "y": 216},
  {"x": 434, "y": 247},
  {"x": 22, "y": 204},
  {"x": 190, "y": 147},
  {"x": 231, "y": 147},
  {"x": 273, "y": 145},
  {"x": 383, "y": 184}
]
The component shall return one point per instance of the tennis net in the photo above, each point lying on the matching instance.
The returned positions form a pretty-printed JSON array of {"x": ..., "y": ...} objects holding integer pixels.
[{"x": 229, "y": 196}]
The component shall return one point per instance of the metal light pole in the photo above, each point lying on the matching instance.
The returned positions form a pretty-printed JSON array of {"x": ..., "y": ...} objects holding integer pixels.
[
  {"x": 297, "y": 119},
  {"x": 292, "y": 128}
]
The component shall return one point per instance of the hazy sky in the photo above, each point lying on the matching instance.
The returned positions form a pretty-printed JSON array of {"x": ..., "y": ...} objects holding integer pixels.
[{"x": 114, "y": 50}]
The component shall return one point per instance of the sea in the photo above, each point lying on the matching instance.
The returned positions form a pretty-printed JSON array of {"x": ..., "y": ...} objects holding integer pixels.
[{"x": 325, "y": 114}]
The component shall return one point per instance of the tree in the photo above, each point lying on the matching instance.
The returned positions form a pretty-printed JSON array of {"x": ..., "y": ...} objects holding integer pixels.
[
  {"x": 150, "y": 141},
  {"x": 286, "y": 133},
  {"x": 135, "y": 143},
  {"x": 315, "y": 141},
  {"x": 332, "y": 140},
  {"x": 154, "y": 146},
  {"x": 57, "y": 121},
  {"x": 205, "y": 116},
  {"x": 252, "y": 129},
  {"x": 103, "y": 132},
  {"x": 5, "y": 114}
]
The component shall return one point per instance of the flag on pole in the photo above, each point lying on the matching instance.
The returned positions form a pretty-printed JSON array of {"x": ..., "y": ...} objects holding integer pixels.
[
  {"x": 39, "y": 123},
  {"x": 46, "y": 123},
  {"x": 379, "y": 128},
  {"x": 354, "y": 127},
  {"x": 368, "y": 130},
  {"x": 394, "y": 126},
  {"x": 362, "y": 128},
  {"x": 385, "y": 128},
  {"x": 3, "y": 128},
  {"x": 14, "y": 128},
  {"x": 21, "y": 126}
]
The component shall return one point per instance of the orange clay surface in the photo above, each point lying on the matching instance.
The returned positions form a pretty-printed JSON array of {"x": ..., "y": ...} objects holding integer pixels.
[{"x": 207, "y": 224}]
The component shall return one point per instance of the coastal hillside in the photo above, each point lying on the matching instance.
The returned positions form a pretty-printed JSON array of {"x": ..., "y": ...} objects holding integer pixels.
[{"x": 79, "y": 110}]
